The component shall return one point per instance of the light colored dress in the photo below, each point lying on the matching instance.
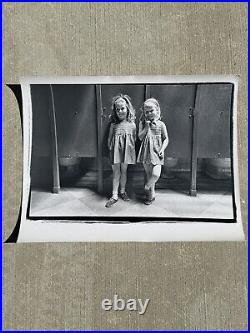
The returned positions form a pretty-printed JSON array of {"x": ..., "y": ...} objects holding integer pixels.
[
  {"x": 122, "y": 146},
  {"x": 152, "y": 143}
]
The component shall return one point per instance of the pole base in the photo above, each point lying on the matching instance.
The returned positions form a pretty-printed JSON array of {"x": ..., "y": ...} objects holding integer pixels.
[
  {"x": 193, "y": 193},
  {"x": 56, "y": 189}
]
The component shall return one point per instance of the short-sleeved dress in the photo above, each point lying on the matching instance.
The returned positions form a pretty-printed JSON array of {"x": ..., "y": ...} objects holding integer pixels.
[
  {"x": 122, "y": 147},
  {"x": 152, "y": 143}
]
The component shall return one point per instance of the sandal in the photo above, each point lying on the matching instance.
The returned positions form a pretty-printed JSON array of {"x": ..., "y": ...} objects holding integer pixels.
[
  {"x": 111, "y": 202},
  {"x": 124, "y": 196}
]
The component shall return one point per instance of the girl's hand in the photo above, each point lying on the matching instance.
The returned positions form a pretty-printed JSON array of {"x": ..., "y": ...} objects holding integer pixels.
[
  {"x": 110, "y": 146},
  {"x": 147, "y": 123},
  {"x": 161, "y": 154}
]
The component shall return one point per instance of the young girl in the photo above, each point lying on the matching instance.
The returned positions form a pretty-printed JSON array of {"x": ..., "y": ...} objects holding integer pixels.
[
  {"x": 121, "y": 143},
  {"x": 154, "y": 137}
]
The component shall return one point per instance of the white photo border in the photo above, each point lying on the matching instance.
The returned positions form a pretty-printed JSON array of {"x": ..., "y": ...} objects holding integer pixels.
[{"x": 81, "y": 231}]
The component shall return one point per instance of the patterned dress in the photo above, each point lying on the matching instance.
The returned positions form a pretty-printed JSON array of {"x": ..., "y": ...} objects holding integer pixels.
[
  {"x": 122, "y": 146},
  {"x": 152, "y": 143}
]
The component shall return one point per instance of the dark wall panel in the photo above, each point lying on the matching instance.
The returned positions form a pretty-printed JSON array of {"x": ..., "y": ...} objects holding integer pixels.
[
  {"x": 41, "y": 164},
  {"x": 41, "y": 105},
  {"x": 75, "y": 108},
  {"x": 176, "y": 103},
  {"x": 213, "y": 106}
]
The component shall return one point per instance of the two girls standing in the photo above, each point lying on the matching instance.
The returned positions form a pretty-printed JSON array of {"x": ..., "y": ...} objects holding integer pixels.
[{"x": 121, "y": 142}]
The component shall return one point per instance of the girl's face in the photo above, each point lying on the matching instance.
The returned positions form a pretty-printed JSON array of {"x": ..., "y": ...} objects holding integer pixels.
[
  {"x": 121, "y": 109},
  {"x": 150, "y": 111}
]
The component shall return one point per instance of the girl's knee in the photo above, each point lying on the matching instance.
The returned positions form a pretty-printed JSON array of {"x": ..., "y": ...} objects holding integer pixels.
[
  {"x": 124, "y": 169},
  {"x": 116, "y": 170},
  {"x": 156, "y": 171},
  {"x": 117, "y": 173}
]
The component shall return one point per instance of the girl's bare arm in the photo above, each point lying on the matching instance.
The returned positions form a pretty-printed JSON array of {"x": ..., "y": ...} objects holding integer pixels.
[
  {"x": 134, "y": 132},
  {"x": 110, "y": 135},
  {"x": 143, "y": 130},
  {"x": 165, "y": 140}
]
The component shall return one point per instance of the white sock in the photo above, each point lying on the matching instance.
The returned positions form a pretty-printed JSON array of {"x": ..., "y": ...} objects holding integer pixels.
[
  {"x": 115, "y": 195},
  {"x": 147, "y": 187},
  {"x": 122, "y": 190}
]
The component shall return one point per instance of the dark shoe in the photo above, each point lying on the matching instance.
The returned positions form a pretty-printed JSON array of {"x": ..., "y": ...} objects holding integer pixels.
[
  {"x": 148, "y": 198},
  {"x": 124, "y": 196},
  {"x": 111, "y": 202},
  {"x": 148, "y": 201}
]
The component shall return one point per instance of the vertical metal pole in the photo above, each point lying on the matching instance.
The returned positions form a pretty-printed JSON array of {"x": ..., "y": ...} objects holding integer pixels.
[
  {"x": 147, "y": 91},
  {"x": 194, "y": 146},
  {"x": 99, "y": 138},
  {"x": 54, "y": 146}
]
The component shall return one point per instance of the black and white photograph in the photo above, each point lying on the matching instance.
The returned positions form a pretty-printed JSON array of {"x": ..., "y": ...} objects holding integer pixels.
[{"x": 139, "y": 150}]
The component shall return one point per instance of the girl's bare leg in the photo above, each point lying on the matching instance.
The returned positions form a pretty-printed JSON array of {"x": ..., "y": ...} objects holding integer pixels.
[
  {"x": 123, "y": 179},
  {"x": 155, "y": 175},
  {"x": 116, "y": 179},
  {"x": 152, "y": 189},
  {"x": 148, "y": 169}
]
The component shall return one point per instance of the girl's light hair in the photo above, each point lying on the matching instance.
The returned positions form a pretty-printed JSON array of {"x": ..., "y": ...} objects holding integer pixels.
[
  {"x": 157, "y": 105},
  {"x": 130, "y": 109}
]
